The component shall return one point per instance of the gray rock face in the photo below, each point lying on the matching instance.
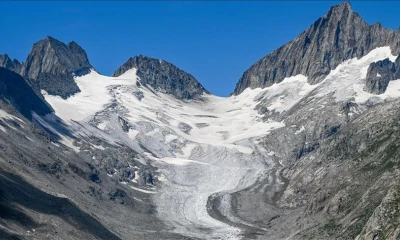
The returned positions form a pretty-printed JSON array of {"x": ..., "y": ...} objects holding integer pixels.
[
  {"x": 338, "y": 36},
  {"x": 53, "y": 64},
  {"x": 380, "y": 73},
  {"x": 163, "y": 76},
  {"x": 6, "y": 62}
]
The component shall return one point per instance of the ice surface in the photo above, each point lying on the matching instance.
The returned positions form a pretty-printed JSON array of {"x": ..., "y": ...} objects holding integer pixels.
[
  {"x": 169, "y": 138},
  {"x": 347, "y": 81},
  {"x": 216, "y": 157},
  {"x": 284, "y": 95},
  {"x": 179, "y": 161},
  {"x": 92, "y": 98},
  {"x": 208, "y": 147}
]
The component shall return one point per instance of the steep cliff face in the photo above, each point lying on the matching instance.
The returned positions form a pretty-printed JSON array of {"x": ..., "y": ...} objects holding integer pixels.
[
  {"x": 380, "y": 73},
  {"x": 53, "y": 64},
  {"x": 163, "y": 76},
  {"x": 338, "y": 36}
]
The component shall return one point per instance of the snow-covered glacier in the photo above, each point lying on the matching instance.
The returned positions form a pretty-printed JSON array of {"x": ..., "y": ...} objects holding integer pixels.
[{"x": 210, "y": 147}]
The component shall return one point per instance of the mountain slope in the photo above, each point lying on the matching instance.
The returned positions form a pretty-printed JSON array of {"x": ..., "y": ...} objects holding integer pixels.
[
  {"x": 50, "y": 191},
  {"x": 15, "y": 90},
  {"x": 338, "y": 36}
]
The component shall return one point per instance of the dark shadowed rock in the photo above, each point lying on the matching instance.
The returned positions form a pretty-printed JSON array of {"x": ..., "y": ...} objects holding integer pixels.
[
  {"x": 117, "y": 195},
  {"x": 6, "y": 62},
  {"x": 53, "y": 64},
  {"x": 379, "y": 74},
  {"x": 124, "y": 124},
  {"x": 163, "y": 76},
  {"x": 15, "y": 90},
  {"x": 338, "y": 36}
]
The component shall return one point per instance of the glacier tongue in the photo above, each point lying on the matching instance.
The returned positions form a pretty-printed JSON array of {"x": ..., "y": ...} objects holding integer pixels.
[
  {"x": 204, "y": 149},
  {"x": 201, "y": 148}
]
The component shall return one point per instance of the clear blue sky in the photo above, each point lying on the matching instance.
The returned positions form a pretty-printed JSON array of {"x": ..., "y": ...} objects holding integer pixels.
[{"x": 214, "y": 41}]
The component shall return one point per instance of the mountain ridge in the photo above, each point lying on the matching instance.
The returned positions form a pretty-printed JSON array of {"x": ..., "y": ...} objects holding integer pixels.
[
  {"x": 52, "y": 65},
  {"x": 300, "y": 158},
  {"x": 160, "y": 74},
  {"x": 6, "y": 62},
  {"x": 339, "y": 35}
]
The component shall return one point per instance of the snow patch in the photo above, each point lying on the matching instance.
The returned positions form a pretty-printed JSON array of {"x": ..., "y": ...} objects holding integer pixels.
[
  {"x": 271, "y": 153},
  {"x": 43, "y": 120},
  {"x": 300, "y": 130},
  {"x": 284, "y": 95},
  {"x": 347, "y": 80},
  {"x": 180, "y": 161},
  {"x": 142, "y": 190},
  {"x": 8, "y": 116},
  {"x": 102, "y": 126},
  {"x": 132, "y": 133},
  {"x": 169, "y": 138},
  {"x": 93, "y": 96}
]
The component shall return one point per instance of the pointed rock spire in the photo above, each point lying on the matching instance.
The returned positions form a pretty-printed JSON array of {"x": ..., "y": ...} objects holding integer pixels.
[
  {"x": 6, "y": 62},
  {"x": 339, "y": 35},
  {"x": 53, "y": 64}
]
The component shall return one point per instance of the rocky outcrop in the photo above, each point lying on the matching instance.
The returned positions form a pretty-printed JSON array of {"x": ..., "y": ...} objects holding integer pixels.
[
  {"x": 6, "y": 62},
  {"x": 15, "y": 90},
  {"x": 384, "y": 222},
  {"x": 338, "y": 36},
  {"x": 380, "y": 73},
  {"x": 52, "y": 65},
  {"x": 163, "y": 76}
]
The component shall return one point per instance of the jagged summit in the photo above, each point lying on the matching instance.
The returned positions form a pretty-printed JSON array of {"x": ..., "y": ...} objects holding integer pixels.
[
  {"x": 53, "y": 64},
  {"x": 164, "y": 76},
  {"x": 339, "y": 35},
  {"x": 345, "y": 6},
  {"x": 6, "y": 62}
]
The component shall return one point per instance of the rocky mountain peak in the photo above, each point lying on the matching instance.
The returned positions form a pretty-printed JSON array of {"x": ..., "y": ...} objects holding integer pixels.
[
  {"x": 50, "y": 39},
  {"x": 342, "y": 13},
  {"x": 163, "y": 76},
  {"x": 339, "y": 35},
  {"x": 53, "y": 64},
  {"x": 6, "y": 62},
  {"x": 343, "y": 8}
]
